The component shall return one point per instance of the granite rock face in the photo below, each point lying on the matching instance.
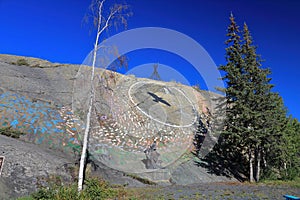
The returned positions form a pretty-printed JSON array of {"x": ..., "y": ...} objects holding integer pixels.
[
  {"x": 28, "y": 166},
  {"x": 37, "y": 79},
  {"x": 188, "y": 173},
  {"x": 129, "y": 121}
]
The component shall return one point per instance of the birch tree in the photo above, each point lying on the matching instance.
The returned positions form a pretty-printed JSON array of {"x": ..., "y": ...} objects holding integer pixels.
[{"x": 102, "y": 20}]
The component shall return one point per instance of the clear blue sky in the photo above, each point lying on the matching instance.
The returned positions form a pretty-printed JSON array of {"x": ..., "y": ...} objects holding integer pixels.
[{"x": 52, "y": 30}]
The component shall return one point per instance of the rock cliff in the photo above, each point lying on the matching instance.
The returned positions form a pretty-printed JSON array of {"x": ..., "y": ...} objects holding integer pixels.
[{"x": 48, "y": 102}]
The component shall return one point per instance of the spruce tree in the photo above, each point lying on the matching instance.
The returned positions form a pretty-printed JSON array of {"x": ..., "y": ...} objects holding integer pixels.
[
  {"x": 268, "y": 121},
  {"x": 255, "y": 115},
  {"x": 256, "y": 96},
  {"x": 230, "y": 141}
]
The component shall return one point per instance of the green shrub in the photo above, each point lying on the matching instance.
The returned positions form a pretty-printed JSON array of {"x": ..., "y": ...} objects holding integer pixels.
[
  {"x": 44, "y": 194},
  {"x": 291, "y": 173},
  {"x": 290, "y": 183},
  {"x": 21, "y": 62},
  {"x": 272, "y": 174},
  {"x": 69, "y": 192},
  {"x": 94, "y": 189},
  {"x": 98, "y": 189},
  {"x": 25, "y": 198}
]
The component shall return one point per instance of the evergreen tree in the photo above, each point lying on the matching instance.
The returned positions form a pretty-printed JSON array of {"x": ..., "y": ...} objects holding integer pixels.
[
  {"x": 255, "y": 116},
  {"x": 256, "y": 100},
  {"x": 289, "y": 159},
  {"x": 268, "y": 121},
  {"x": 231, "y": 145}
]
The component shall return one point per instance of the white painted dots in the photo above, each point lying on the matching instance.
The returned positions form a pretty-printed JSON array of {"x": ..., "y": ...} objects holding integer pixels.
[{"x": 137, "y": 132}]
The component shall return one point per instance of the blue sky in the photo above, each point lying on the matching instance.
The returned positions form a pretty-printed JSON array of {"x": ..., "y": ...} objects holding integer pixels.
[{"x": 53, "y": 30}]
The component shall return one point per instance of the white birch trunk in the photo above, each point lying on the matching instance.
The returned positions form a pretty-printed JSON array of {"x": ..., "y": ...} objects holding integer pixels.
[
  {"x": 92, "y": 93},
  {"x": 101, "y": 27},
  {"x": 251, "y": 179},
  {"x": 285, "y": 167},
  {"x": 264, "y": 158},
  {"x": 258, "y": 165}
]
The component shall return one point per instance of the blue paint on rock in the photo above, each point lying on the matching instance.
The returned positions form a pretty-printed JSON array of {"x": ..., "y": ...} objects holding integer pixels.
[{"x": 42, "y": 122}]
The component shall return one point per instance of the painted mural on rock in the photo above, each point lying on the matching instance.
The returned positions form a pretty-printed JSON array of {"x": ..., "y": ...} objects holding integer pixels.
[{"x": 43, "y": 123}]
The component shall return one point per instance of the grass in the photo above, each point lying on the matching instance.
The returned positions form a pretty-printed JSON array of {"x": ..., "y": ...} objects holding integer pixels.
[
  {"x": 290, "y": 183},
  {"x": 24, "y": 62},
  {"x": 20, "y": 62},
  {"x": 10, "y": 132},
  {"x": 100, "y": 189},
  {"x": 94, "y": 189},
  {"x": 140, "y": 179},
  {"x": 147, "y": 193}
]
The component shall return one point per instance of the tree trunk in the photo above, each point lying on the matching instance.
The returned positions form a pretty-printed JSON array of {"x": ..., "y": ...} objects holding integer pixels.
[
  {"x": 88, "y": 117},
  {"x": 88, "y": 122},
  {"x": 84, "y": 148},
  {"x": 285, "y": 167},
  {"x": 258, "y": 159},
  {"x": 101, "y": 27},
  {"x": 263, "y": 157},
  {"x": 251, "y": 158}
]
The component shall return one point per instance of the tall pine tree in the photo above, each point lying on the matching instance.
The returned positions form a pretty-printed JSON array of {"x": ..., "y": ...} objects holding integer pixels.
[
  {"x": 233, "y": 68},
  {"x": 250, "y": 126},
  {"x": 256, "y": 100}
]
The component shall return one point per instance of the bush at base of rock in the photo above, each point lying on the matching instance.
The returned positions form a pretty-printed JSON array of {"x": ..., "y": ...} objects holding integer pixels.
[{"x": 93, "y": 189}]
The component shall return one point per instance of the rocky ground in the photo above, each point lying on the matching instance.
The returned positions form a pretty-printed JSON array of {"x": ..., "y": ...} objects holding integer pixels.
[
  {"x": 214, "y": 191},
  {"x": 29, "y": 166}
]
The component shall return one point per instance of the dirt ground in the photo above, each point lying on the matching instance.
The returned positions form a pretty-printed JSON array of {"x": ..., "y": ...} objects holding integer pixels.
[{"x": 232, "y": 191}]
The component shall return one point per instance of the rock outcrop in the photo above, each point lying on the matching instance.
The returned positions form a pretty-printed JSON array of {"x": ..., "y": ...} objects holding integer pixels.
[
  {"x": 48, "y": 101},
  {"x": 28, "y": 166},
  {"x": 38, "y": 79}
]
